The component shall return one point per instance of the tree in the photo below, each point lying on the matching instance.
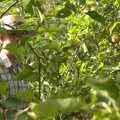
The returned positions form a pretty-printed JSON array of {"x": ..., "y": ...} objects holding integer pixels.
[{"x": 71, "y": 63}]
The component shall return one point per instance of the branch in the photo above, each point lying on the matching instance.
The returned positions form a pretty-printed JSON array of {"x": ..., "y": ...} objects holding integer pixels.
[
  {"x": 20, "y": 112},
  {"x": 39, "y": 67},
  {"x": 13, "y": 4},
  {"x": 39, "y": 73},
  {"x": 33, "y": 50}
]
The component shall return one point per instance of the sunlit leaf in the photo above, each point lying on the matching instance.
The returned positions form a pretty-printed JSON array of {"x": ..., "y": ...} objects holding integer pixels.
[
  {"x": 41, "y": 16},
  {"x": 114, "y": 25},
  {"x": 84, "y": 48},
  {"x": 51, "y": 108},
  {"x": 66, "y": 10},
  {"x": 26, "y": 2},
  {"x": 117, "y": 3}
]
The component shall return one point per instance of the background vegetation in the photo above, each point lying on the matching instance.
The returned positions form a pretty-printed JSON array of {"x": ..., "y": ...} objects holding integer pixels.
[{"x": 72, "y": 64}]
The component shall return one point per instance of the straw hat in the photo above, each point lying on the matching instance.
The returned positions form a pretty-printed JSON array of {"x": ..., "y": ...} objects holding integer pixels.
[{"x": 10, "y": 22}]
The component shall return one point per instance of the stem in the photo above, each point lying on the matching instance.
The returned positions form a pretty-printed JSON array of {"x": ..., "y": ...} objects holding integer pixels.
[
  {"x": 39, "y": 70},
  {"x": 38, "y": 57},
  {"x": 39, "y": 79}
]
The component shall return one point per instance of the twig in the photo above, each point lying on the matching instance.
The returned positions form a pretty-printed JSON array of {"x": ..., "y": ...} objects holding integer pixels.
[
  {"x": 39, "y": 68},
  {"x": 14, "y": 3},
  {"x": 33, "y": 50},
  {"x": 39, "y": 72},
  {"x": 20, "y": 112}
]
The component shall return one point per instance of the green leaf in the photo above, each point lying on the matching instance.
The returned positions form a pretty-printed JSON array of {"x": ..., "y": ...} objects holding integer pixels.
[
  {"x": 117, "y": 3},
  {"x": 24, "y": 117},
  {"x": 81, "y": 1},
  {"x": 49, "y": 109},
  {"x": 96, "y": 16},
  {"x": 25, "y": 40},
  {"x": 11, "y": 116},
  {"x": 64, "y": 13},
  {"x": 26, "y": 3},
  {"x": 53, "y": 45},
  {"x": 114, "y": 25},
  {"x": 3, "y": 88},
  {"x": 19, "y": 52},
  {"x": 108, "y": 85},
  {"x": 26, "y": 73},
  {"x": 41, "y": 16},
  {"x": 66, "y": 10},
  {"x": 12, "y": 103},
  {"x": 32, "y": 115},
  {"x": 50, "y": 44},
  {"x": 84, "y": 48},
  {"x": 70, "y": 6},
  {"x": 26, "y": 95},
  {"x": 2, "y": 0},
  {"x": 1, "y": 116}
]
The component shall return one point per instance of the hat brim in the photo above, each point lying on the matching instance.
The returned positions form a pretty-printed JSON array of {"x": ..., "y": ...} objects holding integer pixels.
[{"x": 20, "y": 32}]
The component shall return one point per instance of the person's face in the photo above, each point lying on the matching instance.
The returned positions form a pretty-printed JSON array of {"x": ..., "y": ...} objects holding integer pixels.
[
  {"x": 5, "y": 40},
  {"x": 12, "y": 37}
]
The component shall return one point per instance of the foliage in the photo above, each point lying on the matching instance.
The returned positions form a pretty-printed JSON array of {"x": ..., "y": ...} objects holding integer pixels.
[{"x": 70, "y": 57}]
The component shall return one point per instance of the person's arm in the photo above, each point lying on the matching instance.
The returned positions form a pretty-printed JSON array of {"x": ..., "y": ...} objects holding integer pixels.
[{"x": 6, "y": 58}]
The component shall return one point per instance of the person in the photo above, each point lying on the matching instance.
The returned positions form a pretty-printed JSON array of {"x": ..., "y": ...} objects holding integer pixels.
[{"x": 9, "y": 64}]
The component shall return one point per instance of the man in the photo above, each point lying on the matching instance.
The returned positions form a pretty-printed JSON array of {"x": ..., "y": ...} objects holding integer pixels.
[{"x": 10, "y": 65}]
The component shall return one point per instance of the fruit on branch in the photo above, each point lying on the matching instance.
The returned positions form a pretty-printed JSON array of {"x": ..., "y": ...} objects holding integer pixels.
[{"x": 116, "y": 38}]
